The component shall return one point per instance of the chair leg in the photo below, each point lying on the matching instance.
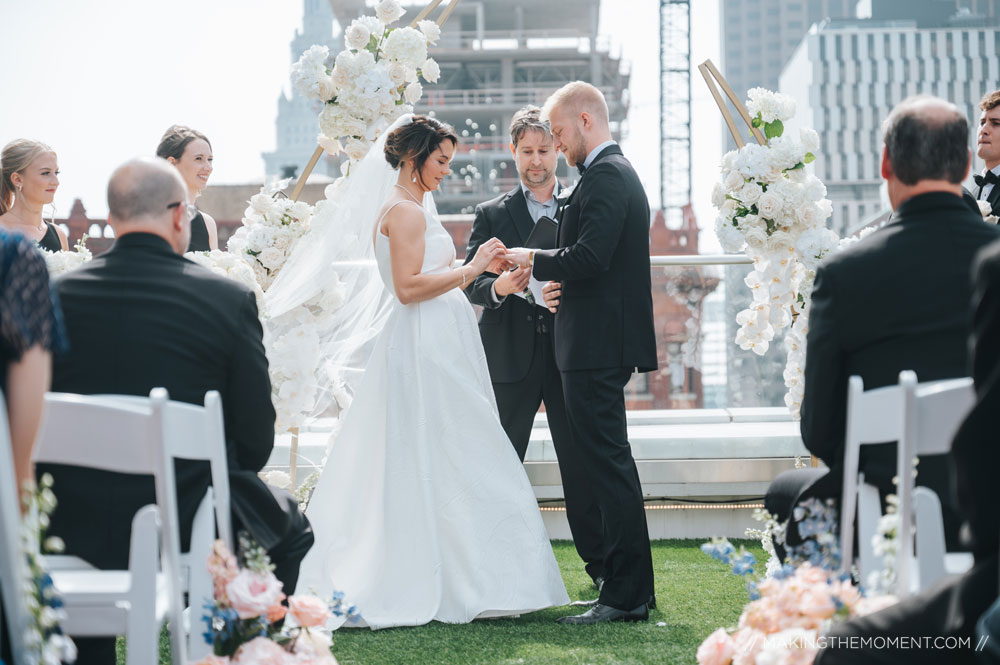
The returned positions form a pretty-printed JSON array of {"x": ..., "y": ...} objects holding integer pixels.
[{"x": 143, "y": 634}]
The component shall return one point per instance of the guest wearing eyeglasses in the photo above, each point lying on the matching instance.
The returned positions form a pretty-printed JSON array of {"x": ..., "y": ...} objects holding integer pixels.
[{"x": 190, "y": 151}]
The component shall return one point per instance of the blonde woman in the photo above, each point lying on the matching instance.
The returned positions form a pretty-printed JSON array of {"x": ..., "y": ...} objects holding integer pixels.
[
  {"x": 190, "y": 151},
  {"x": 29, "y": 178}
]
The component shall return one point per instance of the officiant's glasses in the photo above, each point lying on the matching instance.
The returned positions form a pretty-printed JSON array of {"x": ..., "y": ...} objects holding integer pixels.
[{"x": 190, "y": 208}]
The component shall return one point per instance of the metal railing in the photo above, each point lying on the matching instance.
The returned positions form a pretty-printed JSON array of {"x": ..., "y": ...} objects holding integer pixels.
[{"x": 493, "y": 96}]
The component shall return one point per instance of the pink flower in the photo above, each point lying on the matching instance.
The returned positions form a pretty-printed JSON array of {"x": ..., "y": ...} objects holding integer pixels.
[
  {"x": 872, "y": 604},
  {"x": 252, "y": 594},
  {"x": 717, "y": 649},
  {"x": 261, "y": 651},
  {"x": 308, "y": 611},
  {"x": 222, "y": 567},
  {"x": 747, "y": 643},
  {"x": 276, "y": 612},
  {"x": 761, "y": 615},
  {"x": 313, "y": 648},
  {"x": 213, "y": 660},
  {"x": 817, "y": 603},
  {"x": 811, "y": 574},
  {"x": 846, "y": 593}
]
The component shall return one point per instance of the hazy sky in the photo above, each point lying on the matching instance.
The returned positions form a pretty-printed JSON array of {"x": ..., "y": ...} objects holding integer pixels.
[{"x": 100, "y": 80}]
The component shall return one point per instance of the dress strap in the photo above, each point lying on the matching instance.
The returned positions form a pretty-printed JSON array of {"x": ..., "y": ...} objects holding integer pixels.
[{"x": 378, "y": 226}]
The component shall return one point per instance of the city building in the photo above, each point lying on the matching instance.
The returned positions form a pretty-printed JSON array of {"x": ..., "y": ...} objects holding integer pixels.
[
  {"x": 757, "y": 37},
  {"x": 846, "y": 75},
  {"x": 497, "y": 56},
  {"x": 296, "y": 126}
]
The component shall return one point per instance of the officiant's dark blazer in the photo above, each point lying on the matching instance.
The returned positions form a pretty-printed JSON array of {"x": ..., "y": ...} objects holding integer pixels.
[
  {"x": 605, "y": 316},
  {"x": 139, "y": 317},
  {"x": 507, "y": 327},
  {"x": 896, "y": 300}
]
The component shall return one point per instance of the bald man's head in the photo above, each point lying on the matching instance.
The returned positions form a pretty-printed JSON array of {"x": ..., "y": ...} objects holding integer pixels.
[
  {"x": 148, "y": 195},
  {"x": 926, "y": 138},
  {"x": 577, "y": 114}
]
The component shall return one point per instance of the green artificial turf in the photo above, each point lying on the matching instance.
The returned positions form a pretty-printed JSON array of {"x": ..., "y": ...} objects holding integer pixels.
[{"x": 694, "y": 593}]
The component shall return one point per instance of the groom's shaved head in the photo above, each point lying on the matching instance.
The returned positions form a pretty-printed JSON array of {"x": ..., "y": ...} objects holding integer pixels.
[{"x": 575, "y": 98}]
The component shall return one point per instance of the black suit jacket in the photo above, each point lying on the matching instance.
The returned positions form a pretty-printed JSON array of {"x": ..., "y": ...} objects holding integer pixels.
[
  {"x": 140, "y": 316},
  {"x": 993, "y": 198},
  {"x": 975, "y": 450},
  {"x": 507, "y": 327},
  {"x": 605, "y": 317},
  {"x": 896, "y": 300}
]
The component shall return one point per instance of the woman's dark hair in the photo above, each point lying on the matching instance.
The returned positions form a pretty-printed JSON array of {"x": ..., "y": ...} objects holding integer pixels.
[
  {"x": 416, "y": 141},
  {"x": 176, "y": 139}
]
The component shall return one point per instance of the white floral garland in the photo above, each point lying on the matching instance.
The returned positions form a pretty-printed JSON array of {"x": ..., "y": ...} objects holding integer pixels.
[{"x": 776, "y": 211}]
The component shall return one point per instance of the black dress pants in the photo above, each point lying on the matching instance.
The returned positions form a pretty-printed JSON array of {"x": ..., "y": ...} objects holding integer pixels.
[
  {"x": 595, "y": 400},
  {"x": 518, "y": 402}
]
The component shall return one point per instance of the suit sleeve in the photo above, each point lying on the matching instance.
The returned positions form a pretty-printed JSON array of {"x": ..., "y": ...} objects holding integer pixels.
[
  {"x": 603, "y": 209},
  {"x": 824, "y": 404},
  {"x": 481, "y": 290},
  {"x": 249, "y": 413}
]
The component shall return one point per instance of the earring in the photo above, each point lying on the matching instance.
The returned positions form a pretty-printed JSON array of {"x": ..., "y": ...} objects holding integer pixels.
[
  {"x": 20, "y": 186},
  {"x": 414, "y": 179}
]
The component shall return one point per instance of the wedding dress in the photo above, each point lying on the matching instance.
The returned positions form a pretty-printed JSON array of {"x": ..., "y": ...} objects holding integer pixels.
[{"x": 423, "y": 511}]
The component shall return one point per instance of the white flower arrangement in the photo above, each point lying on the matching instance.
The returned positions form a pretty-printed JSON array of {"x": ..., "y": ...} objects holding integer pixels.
[
  {"x": 773, "y": 209},
  {"x": 271, "y": 225},
  {"x": 372, "y": 82},
  {"x": 62, "y": 262},
  {"x": 986, "y": 210}
]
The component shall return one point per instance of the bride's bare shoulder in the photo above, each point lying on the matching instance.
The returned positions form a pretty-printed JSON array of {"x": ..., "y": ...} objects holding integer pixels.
[{"x": 400, "y": 212}]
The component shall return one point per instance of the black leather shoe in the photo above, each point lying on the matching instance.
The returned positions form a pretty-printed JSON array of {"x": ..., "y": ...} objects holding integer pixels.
[
  {"x": 652, "y": 602},
  {"x": 603, "y": 613}
]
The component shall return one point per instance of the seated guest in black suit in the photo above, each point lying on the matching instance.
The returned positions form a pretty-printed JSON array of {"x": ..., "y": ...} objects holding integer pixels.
[
  {"x": 951, "y": 608},
  {"x": 517, "y": 334},
  {"x": 141, "y": 316},
  {"x": 895, "y": 300},
  {"x": 988, "y": 148}
]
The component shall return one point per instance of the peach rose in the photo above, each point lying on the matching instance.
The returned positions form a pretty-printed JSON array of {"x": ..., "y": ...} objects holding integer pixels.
[
  {"x": 717, "y": 649},
  {"x": 747, "y": 643},
  {"x": 261, "y": 651},
  {"x": 276, "y": 612},
  {"x": 817, "y": 603},
  {"x": 308, "y": 611},
  {"x": 252, "y": 594},
  {"x": 313, "y": 648},
  {"x": 811, "y": 574}
]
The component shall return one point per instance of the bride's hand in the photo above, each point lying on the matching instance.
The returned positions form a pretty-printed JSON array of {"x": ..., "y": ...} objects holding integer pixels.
[{"x": 485, "y": 255}]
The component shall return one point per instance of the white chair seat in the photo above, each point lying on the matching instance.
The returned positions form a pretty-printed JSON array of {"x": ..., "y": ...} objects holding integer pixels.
[
  {"x": 957, "y": 563},
  {"x": 96, "y": 600}
]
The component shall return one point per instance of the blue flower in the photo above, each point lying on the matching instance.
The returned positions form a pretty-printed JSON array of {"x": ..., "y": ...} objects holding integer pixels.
[{"x": 752, "y": 590}]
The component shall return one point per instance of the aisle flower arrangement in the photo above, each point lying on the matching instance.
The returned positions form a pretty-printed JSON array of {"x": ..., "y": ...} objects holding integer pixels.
[
  {"x": 250, "y": 621},
  {"x": 45, "y": 642},
  {"x": 793, "y": 604}
]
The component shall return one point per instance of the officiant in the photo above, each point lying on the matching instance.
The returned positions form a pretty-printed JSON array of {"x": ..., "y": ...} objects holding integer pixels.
[{"x": 516, "y": 328}]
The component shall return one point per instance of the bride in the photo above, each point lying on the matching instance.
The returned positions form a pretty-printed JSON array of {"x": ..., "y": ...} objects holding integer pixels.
[{"x": 423, "y": 511}]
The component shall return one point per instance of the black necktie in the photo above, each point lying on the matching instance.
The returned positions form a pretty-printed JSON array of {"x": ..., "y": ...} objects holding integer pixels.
[
  {"x": 983, "y": 180},
  {"x": 581, "y": 168}
]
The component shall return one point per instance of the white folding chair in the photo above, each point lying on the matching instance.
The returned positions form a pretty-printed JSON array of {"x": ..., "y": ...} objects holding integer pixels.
[
  {"x": 873, "y": 416},
  {"x": 179, "y": 431},
  {"x": 13, "y": 566},
  {"x": 933, "y": 413},
  {"x": 99, "y": 433}
]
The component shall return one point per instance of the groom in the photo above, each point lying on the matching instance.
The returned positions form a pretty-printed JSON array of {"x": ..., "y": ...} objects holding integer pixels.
[{"x": 603, "y": 332}]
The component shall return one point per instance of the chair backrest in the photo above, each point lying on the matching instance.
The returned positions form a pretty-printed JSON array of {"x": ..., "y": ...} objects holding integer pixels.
[
  {"x": 873, "y": 416},
  {"x": 13, "y": 566},
  {"x": 933, "y": 413}
]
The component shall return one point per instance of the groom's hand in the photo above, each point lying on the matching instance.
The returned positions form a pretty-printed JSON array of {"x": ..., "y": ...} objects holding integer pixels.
[
  {"x": 552, "y": 292},
  {"x": 518, "y": 255},
  {"x": 512, "y": 281}
]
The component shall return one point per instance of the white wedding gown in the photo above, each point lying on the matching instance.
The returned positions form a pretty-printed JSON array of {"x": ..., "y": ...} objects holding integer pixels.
[{"x": 423, "y": 511}]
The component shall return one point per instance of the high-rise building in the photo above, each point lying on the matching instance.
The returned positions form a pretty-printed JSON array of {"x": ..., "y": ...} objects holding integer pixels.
[
  {"x": 847, "y": 75},
  {"x": 497, "y": 56},
  {"x": 296, "y": 126},
  {"x": 759, "y": 36}
]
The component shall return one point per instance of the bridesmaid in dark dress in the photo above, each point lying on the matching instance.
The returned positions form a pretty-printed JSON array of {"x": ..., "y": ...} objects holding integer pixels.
[
  {"x": 31, "y": 329},
  {"x": 29, "y": 177},
  {"x": 190, "y": 151}
]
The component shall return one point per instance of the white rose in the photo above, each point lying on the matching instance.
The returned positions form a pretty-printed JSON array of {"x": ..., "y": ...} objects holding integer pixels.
[
  {"x": 729, "y": 236},
  {"x": 397, "y": 71},
  {"x": 259, "y": 237},
  {"x": 729, "y": 160},
  {"x": 728, "y": 209},
  {"x": 356, "y": 148},
  {"x": 769, "y": 205},
  {"x": 430, "y": 70},
  {"x": 809, "y": 139},
  {"x": 749, "y": 193},
  {"x": 755, "y": 237},
  {"x": 389, "y": 11},
  {"x": 718, "y": 195},
  {"x": 272, "y": 258},
  {"x": 413, "y": 92},
  {"x": 733, "y": 181},
  {"x": 357, "y": 36},
  {"x": 331, "y": 146},
  {"x": 375, "y": 27},
  {"x": 431, "y": 30}
]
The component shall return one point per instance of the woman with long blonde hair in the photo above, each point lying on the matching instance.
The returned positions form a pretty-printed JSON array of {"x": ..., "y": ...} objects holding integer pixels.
[{"x": 29, "y": 178}]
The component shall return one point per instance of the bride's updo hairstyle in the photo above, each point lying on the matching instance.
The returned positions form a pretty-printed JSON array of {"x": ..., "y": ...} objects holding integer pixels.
[{"x": 416, "y": 141}]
